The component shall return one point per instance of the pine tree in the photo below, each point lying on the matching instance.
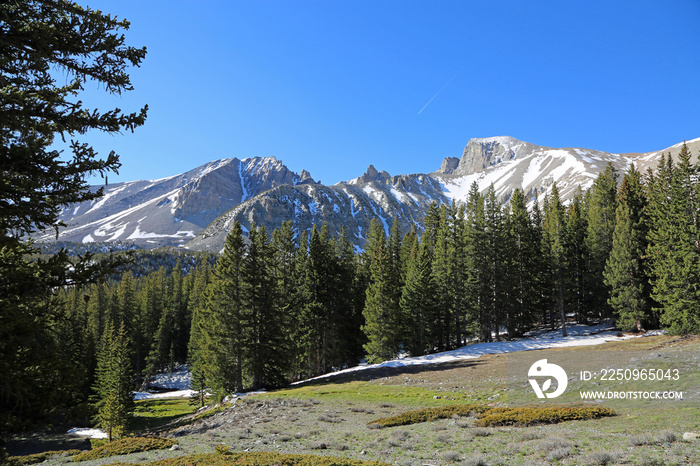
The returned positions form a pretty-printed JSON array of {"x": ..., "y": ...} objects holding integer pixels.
[
  {"x": 182, "y": 317},
  {"x": 576, "y": 258},
  {"x": 674, "y": 244},
  {"x": 496, "y": 262},
  {"x": 115, "y": 401},
  {"x": 480, "y": 318},
  {"x": 48, "y": 53},
  {"x": 442, "y": 277},
  {"x": 418, "y": 301},
  {"x": 554, "y": 239},
  {"x": 601, "y": 225},
  {"x": 285, "y": 251},
  {"x": 380, "y": 311},
  {"x": 315, "y": 298},
  {"x": 625, "y": 271},
  {"x": 348, "y": 305},
  {"x": 199, "y": 356},
  {"x": 222, "y": 322},
  {"x": 395, "y": 277},
  {"x": 265, "y": 349},
  {"x": 542, "y": 272},
  {"x": 523, "y": 266}
]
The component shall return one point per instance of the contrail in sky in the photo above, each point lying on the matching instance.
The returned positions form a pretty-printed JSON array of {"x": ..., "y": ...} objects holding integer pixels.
[{"x": 441, "y": 89}]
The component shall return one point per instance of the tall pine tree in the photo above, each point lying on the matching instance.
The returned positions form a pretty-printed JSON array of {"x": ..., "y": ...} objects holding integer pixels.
[
  {"x": 626, "y": 270},
  {"x": 113, "y": 387}
]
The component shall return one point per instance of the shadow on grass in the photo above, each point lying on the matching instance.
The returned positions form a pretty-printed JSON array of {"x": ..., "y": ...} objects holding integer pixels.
[
  {"x": 367, "y": 375},
  {"x": 150, "y": 414}
]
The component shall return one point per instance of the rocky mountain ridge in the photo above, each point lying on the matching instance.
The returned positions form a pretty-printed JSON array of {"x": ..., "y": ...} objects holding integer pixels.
[
  {"x": 171, "y": 211},
  {"x": 198, "y": 208}
]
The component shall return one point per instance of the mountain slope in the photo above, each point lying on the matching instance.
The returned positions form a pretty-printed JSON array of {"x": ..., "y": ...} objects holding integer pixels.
[
  {"x": 508, "y": 163},
  {"x": 352, "y": 205},
  {"x": 171, "y": 211},
  {"x": 504, "y": 162},
  {"x": 197, "y": 209}
]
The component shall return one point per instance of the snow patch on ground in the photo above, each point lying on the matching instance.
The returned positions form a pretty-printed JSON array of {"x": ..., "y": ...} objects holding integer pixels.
[
  {"x": 174, "y": 394},
  {"x": 578, "y": 335},
  {"x": 178, "y": 380},
  {"x": 87, "y": 432},
  {"x": 174, "y": 384}
]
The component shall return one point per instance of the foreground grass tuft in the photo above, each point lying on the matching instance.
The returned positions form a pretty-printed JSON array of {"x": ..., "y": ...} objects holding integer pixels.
[
  {"x": 125, "y": 447},
  {"x": 40, "y": 457}
]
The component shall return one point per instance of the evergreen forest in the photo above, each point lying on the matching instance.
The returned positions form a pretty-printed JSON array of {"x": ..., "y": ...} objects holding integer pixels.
[{"x": 286, "y": 306}]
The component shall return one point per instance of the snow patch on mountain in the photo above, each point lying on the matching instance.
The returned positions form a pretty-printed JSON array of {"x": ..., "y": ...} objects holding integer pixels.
[{"x": 206, "y": 201}]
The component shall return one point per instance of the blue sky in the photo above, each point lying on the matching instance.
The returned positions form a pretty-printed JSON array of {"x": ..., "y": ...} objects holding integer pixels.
[{"x": 332, "y": 86}]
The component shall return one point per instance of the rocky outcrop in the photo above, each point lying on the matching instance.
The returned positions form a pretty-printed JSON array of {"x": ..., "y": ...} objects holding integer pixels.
[
  {"x": 481, "y": 153},
  {"x": 449, "y": 165},
  {"x": 373, "y": 175}
]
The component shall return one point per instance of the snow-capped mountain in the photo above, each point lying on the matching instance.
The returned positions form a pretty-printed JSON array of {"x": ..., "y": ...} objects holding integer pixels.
[
  {"x": 197, "y": 209},
  {"x": 172, "y": 211},
  {"x": 505, "y": 162}
]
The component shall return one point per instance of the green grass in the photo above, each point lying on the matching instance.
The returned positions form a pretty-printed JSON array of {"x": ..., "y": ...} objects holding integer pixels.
[
  {"x": 150, "y": 414},
  {"x": 124, "y": 447},
  {"x": 334, "y": 417},
  {"x": 360, "y": 391}
]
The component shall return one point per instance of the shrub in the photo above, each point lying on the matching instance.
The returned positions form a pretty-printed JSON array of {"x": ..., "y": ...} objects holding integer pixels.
[
  {"x": 554, "y": 443},
  {"x": 428, "y": 414},
  {"x": 222, "y": 449},
  {"x": 666, "y": 436},
  {"x": 124, "y": 447},
  {"x": 40, "y": 457},
  {"x": 451, "y": 456},
  {"x": 532, "y": 435},
  {"x": 477, "y": 460},
  {"x": 641, "y": 439},
  {"x": 532, "y": 415},
  {"x": 521, "y": 416},
  {"x": 559, "y": 454},
  {"x": 479, "y": 432},
  {"x": 600, "y": 458}
]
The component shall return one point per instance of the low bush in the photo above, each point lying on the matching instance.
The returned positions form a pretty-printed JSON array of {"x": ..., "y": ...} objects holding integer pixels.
[
  {"x": 559, "y": 454},
  {"x": 40, "y": 457},
  {"x": 124, "y": 447},
  {"x": 641, "y": 439},
  {"x": 521, "y": 416},
  {"x": 261, "y": 459},
  {"x": 428, "y": 414},
  {"x": 524, "y": 416},
  {"x": 666, "y": 436}
]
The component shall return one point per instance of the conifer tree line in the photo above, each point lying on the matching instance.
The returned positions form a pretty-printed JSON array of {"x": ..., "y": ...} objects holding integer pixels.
[{"x": 287, "y": 306}]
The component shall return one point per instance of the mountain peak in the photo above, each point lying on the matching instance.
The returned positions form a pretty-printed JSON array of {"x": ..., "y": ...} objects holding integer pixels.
[
  {"x": 449, "y": 165},
  {"x": 480, "y": 153},
  {"x": 373, "y": 175},
  {"x": 501, "y": 140}
]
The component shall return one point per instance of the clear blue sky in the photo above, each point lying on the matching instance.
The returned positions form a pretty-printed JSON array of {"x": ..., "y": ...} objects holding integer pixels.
[{"x": 332, "y": 86}]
